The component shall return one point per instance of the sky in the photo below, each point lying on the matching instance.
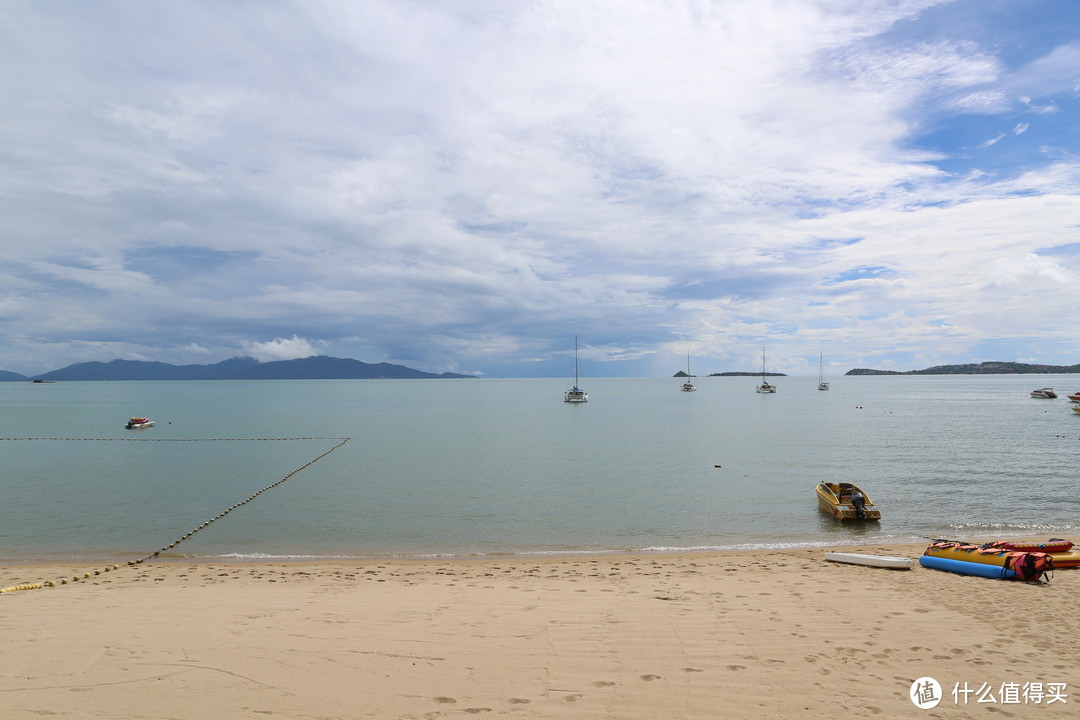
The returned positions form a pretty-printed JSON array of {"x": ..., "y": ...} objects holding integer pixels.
[{"x": 470, "y": 185}]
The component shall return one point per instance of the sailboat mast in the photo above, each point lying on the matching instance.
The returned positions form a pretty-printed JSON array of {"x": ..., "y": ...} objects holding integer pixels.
[{"x": 575, "y": 362}]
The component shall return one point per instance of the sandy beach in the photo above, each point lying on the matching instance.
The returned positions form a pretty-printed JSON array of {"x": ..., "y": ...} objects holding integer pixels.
[{"x": 754, "y": 634}]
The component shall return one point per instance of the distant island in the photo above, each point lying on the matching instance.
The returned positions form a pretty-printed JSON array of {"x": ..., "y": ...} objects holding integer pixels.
[
  {"x": 316, "y": 367},
  {"x": 748, "y": 374},
  {"x": 682, "y": 374},
  {"x": 986, "y": 368}
]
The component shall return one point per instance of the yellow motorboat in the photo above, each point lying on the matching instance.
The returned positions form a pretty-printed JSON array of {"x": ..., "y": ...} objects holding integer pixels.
[{"x": 845, "y": 501}]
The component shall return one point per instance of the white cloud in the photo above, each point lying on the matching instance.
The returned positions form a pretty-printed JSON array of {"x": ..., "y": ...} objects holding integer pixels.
[
  {"x": 467, "y": 184},
  {"x": 282, "y": 349}
]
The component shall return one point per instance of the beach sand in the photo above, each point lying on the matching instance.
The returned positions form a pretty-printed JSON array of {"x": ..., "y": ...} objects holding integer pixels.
[{"x": 754, "y": 634}]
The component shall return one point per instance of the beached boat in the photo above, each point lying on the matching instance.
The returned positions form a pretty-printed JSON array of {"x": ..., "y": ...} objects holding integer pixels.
[
  {"x": 984, "y": 561},
  {"x": 881, "y": 561},
  {"x": 575, "y": 394},
  {"x": 1046, "y": 393},
  {"x": 821, "y": 384},
  {"x": 765, "y": 386},
  {"x": 845, "y": 501},
  {"x": 956, "y": 550},
  {"x": 139, "y": 422},
  {"x": 1068, "y": 559},
  {"x": 689, "y": 385},
  {"x": 1060, "y": 551}
]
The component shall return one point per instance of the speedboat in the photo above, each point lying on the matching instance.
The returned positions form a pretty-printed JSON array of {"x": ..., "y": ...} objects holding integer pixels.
[
  {"x": 1075, "y": 397},
  {"x": 139, "y": 422},
  {"x": 1047, "y": 393},
  {"x": 845, "y": 501}
]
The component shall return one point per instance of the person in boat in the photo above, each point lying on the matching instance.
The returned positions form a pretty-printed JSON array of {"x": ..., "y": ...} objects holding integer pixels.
[{"x": 859, "y": 501}]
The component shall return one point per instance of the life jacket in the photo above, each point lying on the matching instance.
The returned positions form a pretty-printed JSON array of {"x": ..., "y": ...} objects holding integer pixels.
[{"x": 1029, "y": 566}]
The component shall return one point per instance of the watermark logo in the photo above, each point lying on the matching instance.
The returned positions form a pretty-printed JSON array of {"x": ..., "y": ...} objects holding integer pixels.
[{"x": 925, "y": 693}]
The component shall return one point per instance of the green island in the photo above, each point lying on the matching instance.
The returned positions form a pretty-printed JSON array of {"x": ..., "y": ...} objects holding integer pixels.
[{"x": 985, "y": 368}]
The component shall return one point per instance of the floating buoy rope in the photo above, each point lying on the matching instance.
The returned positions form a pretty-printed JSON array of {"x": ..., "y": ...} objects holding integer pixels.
[{"x": 182, "y": 538}]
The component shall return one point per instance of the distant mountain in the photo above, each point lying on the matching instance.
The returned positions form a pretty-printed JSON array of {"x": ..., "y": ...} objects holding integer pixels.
[
  {"x": 317, "y": 367},
  {"x": 986, "y": 368},
  {"x": 747, "y": 374}
]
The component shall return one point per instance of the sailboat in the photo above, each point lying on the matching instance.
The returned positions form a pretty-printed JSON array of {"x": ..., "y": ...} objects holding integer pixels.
[
  {"x": 689, "y": 385},
  {"x": 764, "y": 387},
  {"x": 576, "y": 394},
  {"x": 821, "y": 384}
]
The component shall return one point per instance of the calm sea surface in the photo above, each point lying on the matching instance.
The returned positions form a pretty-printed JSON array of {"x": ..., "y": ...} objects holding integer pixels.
[{"x": 464, "y": 467}]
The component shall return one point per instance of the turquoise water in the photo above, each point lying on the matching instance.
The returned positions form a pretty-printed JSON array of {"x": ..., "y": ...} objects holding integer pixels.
[{"x": 467, "y": 467}]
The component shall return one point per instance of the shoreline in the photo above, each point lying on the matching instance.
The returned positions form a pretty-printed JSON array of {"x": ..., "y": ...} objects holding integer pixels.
[
  {"x": 758, "y": 634},
  {"x": 166, "y": 556}
]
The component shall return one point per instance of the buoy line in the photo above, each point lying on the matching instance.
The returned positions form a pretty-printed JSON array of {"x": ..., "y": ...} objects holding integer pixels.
[{"x": 182, "y": 538}]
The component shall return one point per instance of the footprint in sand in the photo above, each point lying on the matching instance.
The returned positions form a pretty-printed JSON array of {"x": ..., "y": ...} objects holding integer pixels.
[
  {"x": 688, "y": 669},
  {"x": 603, "y": 683},
  {"x": 650, "y": 678},
  {"x": 477, "y": 711},
  {"x": 519, "y": 701},
  {"x": 445, "y": 700}
]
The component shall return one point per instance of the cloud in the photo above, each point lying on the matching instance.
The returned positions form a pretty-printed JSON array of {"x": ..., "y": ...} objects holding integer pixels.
[
  {"x": 282, "y": 349},
  {"x": 466, "y": 186}
]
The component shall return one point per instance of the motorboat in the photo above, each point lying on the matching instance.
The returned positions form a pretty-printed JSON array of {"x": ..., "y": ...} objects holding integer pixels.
[
  {"x": 1047, "y": 393},
  {"x": 846, "y": 501},
  {"x": 139, "y": 422},
  {"x": 575, "y": 394},
  {"x": 689, "y": 385},
  {"x": 1075, "y": 397},
  {"x": 765, "y": 386}
]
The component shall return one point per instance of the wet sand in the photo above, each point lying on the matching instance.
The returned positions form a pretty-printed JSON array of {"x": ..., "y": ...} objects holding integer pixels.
[{"x": 763, "y": 634}]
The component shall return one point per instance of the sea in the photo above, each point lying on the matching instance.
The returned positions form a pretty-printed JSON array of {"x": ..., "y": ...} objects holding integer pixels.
[{"x": 307, "y": 469}]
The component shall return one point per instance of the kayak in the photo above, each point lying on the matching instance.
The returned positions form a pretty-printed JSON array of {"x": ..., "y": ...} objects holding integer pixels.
[{"x": 882, "y": 561}]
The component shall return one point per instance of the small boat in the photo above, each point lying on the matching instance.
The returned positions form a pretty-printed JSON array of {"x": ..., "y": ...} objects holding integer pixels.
[
  {"x": 765, "y": 386},
  {"x": 1068, "y": 559},
  {"x": 881, "y": 561},
  {"x": 1076, "y": 408},
  {"x": 821, "y": 384},
  {"x": 575, "y": 394},
  {"x": 689, "y": 385},
  {"x": 1075, "y": 397},
  {"x": 985, "y": 561},
  {"x": 845, "y": 501},
  {"x": 1054, "y": 545},
  {"x": 967, "y": 552},
  {"x": 1046, "y": 393},
  {"x": 1060, "y": 551},
  {"x": 139, "y": 422}
]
